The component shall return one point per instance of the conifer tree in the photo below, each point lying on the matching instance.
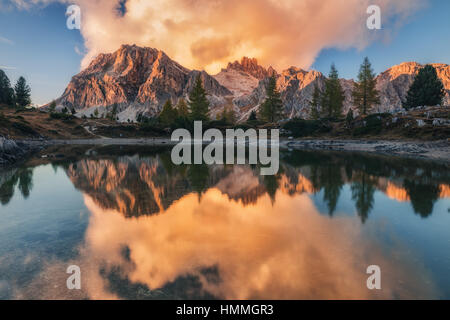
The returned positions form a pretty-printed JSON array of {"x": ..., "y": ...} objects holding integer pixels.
[
  {"x": 272, "y": 107},
  {"x": 365, "y": 95},
  {"x": 228, "y": 115},
  {"x": 6, "y": 92},
  {"x": 198, "y": 103},
  {"x": 253, "y": 116},
  {"x": 22, "y": 91},
  {"x": 315, "y": 103},
  {"x": 168, "y": 114},
  {"x": 182, "y": 109},
  {"x": 333, "y": 96},
  {"x": 426, "y": 90}
]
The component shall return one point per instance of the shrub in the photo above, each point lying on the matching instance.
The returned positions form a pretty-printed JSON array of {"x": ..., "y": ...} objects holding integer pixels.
[
  {"x": 302, "y": 128},
  {"x": 373, "y": 125},
  {"x": 61, "y": 116},
  {"x": 24, "y": 128}
]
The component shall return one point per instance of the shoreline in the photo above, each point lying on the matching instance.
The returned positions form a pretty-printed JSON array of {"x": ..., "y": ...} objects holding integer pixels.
[{"x": 427, "y": 150}]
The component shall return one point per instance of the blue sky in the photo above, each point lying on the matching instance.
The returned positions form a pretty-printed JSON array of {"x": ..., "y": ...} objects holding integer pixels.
[{"x": 36, "y": 44}]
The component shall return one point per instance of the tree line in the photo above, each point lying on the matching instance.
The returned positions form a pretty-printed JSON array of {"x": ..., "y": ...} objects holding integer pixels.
[
  {"x": 185, "y": 112},
  {"x": 426, "y": 90},
  {"x": 19, "y": 96},
  {"x": 327, "y": 102}
]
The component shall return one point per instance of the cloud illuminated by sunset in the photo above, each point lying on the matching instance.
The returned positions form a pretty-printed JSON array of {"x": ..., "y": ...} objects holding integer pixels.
[{"x": 205, "y": 34}]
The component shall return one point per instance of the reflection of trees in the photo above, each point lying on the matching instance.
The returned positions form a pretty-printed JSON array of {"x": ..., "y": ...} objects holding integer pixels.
[
  {"x": 315, "y": 178},
  {"x": 24, "y": 179},
  {"x": 272, "y": 184},
  {"x": 423, "y": 196},
  {"x": 26, "y": 182},
  {"x": 363, "y": 190},
  {"x": 198, "y": 177},
  {"x": 170, "y": 167},
  {"x": 7, "y": 189},
  {"x": 332, "y": 182}
]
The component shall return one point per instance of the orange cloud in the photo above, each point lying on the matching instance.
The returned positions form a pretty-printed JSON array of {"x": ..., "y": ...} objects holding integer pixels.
[
  {"x": 207, "y": 34},
  {"x": 280, "y": 250}
]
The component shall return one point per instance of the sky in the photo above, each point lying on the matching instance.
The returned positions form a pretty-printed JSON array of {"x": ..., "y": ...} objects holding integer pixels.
[{"x": 202, "y": 34}]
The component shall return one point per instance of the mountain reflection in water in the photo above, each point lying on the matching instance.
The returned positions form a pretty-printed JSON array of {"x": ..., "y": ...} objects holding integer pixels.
[{"x": 157, "y": 231}]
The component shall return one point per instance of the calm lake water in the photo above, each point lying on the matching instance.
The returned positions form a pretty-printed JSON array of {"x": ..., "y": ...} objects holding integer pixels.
[{"x": 141, "y": 228}]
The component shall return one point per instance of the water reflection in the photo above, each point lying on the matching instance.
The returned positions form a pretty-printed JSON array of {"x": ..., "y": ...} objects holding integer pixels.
[
  {"x": 159, "y": 231},
  {"x": 142, "y": 186},
  {"x": 23, "y": 178}
]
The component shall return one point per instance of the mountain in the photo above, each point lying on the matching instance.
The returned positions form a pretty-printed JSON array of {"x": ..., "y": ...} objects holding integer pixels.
[
  {"x": 137, "y": 185},
  {"x": 297, "y": 86},
  {"x": 140, "y": 80},
  {"x": 394, "y": 83},
  {"x": 243, "y": 77},
  {"x": 136, "y": 80}
]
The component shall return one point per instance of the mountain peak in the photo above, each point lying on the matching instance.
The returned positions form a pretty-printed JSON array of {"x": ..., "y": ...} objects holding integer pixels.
[{"x": 251, "y": 66}]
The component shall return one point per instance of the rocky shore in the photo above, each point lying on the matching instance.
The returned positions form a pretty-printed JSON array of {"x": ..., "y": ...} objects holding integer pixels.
[
  {"x": 12, "y": 151},
  {"x": 431, "y": 150}
]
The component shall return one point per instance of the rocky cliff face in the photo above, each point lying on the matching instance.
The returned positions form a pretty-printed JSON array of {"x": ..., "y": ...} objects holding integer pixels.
[
  {"x": 136, "y": 80},
  {"x": 297, "y": 86},
  {"x": 394, "y": 83},
  {"x": 140, "y": 80}
]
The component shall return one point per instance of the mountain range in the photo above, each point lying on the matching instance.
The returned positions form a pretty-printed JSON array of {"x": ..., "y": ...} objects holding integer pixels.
[{"x": 139, "y": 80}]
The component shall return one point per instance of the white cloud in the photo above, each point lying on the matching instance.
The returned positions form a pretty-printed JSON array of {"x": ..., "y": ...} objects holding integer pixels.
[{"x": 6, "y": 40}]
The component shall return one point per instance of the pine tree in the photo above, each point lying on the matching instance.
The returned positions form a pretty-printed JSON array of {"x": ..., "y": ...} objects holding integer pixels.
[
  {"x": 365, "y": 95},
  {"x": 198, "y": 103},
  {"x": 52, "y": 106},
  {"x": 315, "y": 103},
  {"x": 426, "y": 90},
  {"x": 272, "y": 107},
  {"x": 22, "y": 91},
  {"x": 182, "y": 109},
  {"x": 349, "y": 118},
  {"x": 253, "y": 116},
  {"x": 333, "y": 96},
  {"x": 168, "y": 114},
  {"x": 6, "y": 92},
  {"x": 228, "y": 115}
]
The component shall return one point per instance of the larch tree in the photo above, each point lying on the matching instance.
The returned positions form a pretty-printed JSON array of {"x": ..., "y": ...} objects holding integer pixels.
[
  {"x": 333, "y": 96},
  {"x": 198, "y": 102},
  {"x": 272, "y": 107},
  {"x": 365, "y": 94}
]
